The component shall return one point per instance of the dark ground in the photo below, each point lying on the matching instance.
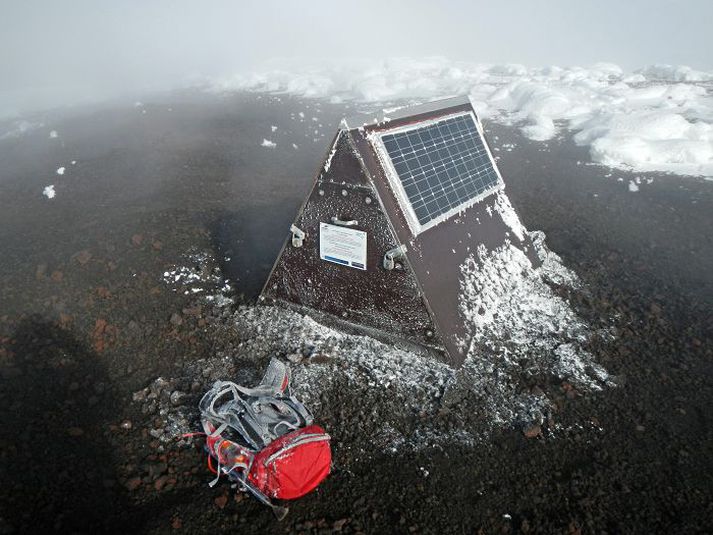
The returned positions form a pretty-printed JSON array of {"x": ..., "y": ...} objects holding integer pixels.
[{"x": 85, "y": 321}]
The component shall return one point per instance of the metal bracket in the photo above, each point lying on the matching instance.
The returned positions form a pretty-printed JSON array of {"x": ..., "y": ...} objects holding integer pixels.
[
  {"x": 350, "y": 223},
  {"x": 298, "y": 236},
  {"x": 397, "y": 253}
]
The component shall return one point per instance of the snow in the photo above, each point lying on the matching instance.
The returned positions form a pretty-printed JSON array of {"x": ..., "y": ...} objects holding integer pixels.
[
  {"x": 519, "y": 329},
  {"x": 659, "y": 118},
  {"x": 632, "y": 186},
  {"x": 19, "y": 128},
  {"x": 513, "y": 316},
  {"x": 328, "y": 162},
  {"x": 60, "y": 170},
  {"x": 54, "y": 134},
  {"x": 49, "y": 192},
  {"x": 503, "y": 207},
  {"x": 198, "y": 276},
  {"x": 269, "y": 144},
  {"x": 273, "y": 128}
]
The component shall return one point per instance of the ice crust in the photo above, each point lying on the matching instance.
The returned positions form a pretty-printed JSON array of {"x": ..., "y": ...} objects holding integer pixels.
[{"x": 659, "y": 118}]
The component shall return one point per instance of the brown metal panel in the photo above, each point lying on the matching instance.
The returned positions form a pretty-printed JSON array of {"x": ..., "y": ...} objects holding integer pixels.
[
  {"x": 418, "y": 302},
  {"x": 389, "y": 301},
  {"x": 436, "y": 254}
]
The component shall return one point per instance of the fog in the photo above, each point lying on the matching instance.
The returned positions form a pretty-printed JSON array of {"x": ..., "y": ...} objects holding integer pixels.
[{"x": 62, "y": 52}]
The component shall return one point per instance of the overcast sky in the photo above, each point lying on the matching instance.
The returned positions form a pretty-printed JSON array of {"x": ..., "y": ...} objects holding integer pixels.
[{"x": 72, "y": 47}]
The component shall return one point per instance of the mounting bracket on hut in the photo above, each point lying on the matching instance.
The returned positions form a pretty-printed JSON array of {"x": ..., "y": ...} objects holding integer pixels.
[{"x": 397, "y": 208}]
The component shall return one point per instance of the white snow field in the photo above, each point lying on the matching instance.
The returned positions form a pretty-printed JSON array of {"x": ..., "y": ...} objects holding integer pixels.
[{"x": 659, "y": 118}]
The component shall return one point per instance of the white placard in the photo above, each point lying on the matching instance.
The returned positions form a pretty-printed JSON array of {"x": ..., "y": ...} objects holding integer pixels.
[{"x": 342, "y": 245}]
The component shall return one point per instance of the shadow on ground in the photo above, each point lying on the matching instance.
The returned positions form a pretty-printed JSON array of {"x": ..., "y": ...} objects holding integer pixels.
[{"x": 57, "y": 468}]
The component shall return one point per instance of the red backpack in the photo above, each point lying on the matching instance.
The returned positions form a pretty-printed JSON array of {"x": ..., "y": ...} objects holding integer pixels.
[
  {"x": 292, "y": 465},
  {"x": 265, "y": 439}
]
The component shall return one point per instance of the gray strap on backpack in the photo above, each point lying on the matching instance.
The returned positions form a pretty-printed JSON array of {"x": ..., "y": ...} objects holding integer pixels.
[{"x": 263, "y": 413}]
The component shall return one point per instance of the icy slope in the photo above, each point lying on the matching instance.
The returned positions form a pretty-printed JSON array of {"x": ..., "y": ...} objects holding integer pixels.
[{"x": 659, "y": 118}]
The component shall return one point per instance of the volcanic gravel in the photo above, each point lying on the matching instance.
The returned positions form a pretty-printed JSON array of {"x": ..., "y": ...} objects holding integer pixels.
[{"x": 127, "y": 294}]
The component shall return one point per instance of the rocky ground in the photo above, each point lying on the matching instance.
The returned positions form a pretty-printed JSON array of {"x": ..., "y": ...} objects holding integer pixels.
[{"x": 126, "y": 295}]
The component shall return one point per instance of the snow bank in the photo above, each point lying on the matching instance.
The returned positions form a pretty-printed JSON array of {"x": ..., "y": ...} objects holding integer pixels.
[{"x": 658, "y": 118}]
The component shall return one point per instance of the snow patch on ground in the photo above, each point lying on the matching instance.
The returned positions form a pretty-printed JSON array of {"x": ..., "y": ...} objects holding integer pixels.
[
  {"x": 199, "y": 274},
  {"x": 49, "y": 192},
  {"x": 659, "y": 118},
  {"x": 60, "y": 170},
  {"x": 269, "y": 144}
]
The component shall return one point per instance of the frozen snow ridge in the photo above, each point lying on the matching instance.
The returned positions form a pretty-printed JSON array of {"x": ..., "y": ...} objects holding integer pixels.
[{"x": 659, "y": 118}]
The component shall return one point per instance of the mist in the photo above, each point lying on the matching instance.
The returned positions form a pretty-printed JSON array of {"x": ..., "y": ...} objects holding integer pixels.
[{"x": 55, "y": 53}]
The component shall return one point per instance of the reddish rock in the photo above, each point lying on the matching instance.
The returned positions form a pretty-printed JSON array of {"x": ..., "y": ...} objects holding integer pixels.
[
  {"x": 41, "y": 272},
  {"x": 157, "y": 245},
  {"x": 57, "y": 276},
  {"x": 221, "y": 501},
  {"x": 137, "y": 239},
  {"x": 103, "y": 292},
  {"x": 133, "y": 484},
  {"x": 75, "y": 431},
  {"x": 532, "y": 431},
  {"x": 103, "y": 335},
  {"x": 65, "y": 320},
  {"x": 83, "y": 257},
  {"x": 160, "y": 483},
  {"x": 339, "y": 524},
  {"x": 176, "y": 523}
]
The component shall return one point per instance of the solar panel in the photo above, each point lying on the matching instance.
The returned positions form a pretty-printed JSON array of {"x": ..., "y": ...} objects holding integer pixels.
[{"x": 442, "y": 166}]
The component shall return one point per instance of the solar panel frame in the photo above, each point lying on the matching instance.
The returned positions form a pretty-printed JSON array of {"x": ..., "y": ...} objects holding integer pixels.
[{"x": 396, "y": 182}]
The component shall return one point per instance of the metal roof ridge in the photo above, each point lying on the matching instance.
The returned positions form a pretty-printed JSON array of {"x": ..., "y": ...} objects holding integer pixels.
[{"x": 387, "y": 114}]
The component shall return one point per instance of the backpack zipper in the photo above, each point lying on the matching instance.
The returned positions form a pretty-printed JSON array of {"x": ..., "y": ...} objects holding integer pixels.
[{"x": 304, "y": 439}]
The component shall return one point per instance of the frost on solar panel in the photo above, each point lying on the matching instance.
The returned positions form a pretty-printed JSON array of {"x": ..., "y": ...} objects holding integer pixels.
[{"x": 442, "y": 167}]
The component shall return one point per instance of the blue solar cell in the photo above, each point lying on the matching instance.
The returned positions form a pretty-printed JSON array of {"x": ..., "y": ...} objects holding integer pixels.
[{"x": 441, "y": 166}]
